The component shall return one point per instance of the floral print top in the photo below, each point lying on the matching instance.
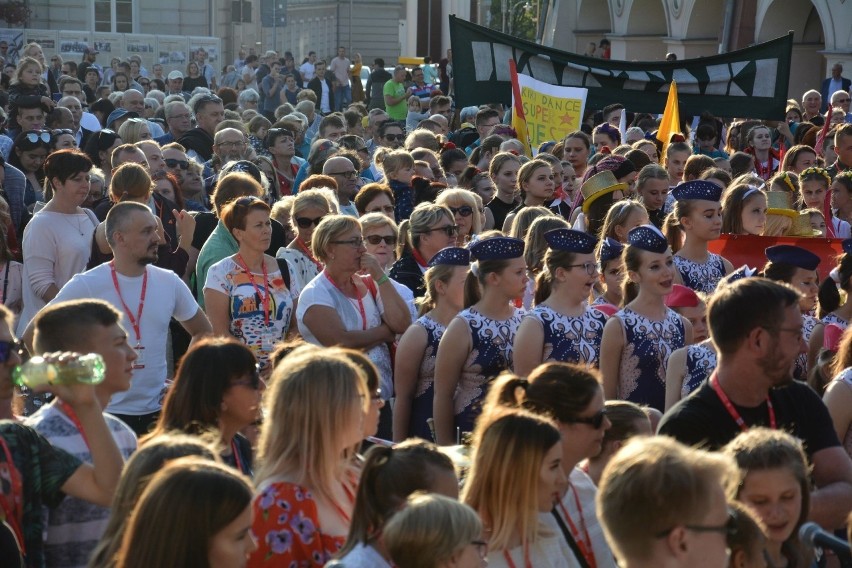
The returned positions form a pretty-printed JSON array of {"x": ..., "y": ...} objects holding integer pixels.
[{"x": 286, "y": 526}]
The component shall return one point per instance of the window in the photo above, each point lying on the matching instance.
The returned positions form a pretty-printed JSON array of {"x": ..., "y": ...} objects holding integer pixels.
[{"x": 114, "y": 16}]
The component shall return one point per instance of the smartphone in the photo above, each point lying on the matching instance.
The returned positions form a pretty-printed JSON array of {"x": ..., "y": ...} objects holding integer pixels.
[{"x": 57, "y": 96}]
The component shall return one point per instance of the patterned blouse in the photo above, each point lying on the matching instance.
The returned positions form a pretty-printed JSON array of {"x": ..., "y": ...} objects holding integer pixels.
[
  {"x": 570, "y": 339},
  {"x": 701, "y": 277},
  {"x": 700, "y": 364}
]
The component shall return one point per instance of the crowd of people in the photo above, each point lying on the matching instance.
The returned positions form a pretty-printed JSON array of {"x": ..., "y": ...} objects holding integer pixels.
[{"x": 360, "y": 328}]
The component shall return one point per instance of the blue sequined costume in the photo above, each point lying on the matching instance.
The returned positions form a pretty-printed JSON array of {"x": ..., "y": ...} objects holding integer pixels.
[
  {"x": 424, "y": 391},
  {"x": 701, "y": 277},
  {"x": 570, "y": 339},
  {"x": 700, "y": 364}
]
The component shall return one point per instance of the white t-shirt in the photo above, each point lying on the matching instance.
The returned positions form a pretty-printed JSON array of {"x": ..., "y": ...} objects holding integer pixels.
[
  {"x": 842, "y": 229},
  {"x": 166, "y": 297},
  {"x": 324, "y": 104},
  {"x": 321, "y": 292},
  {"x": 307, "y": 71},
  {"x": 56, "y": 246},
  {"x": 550, "y": 551},
  {"x": 75, "y": 527}
]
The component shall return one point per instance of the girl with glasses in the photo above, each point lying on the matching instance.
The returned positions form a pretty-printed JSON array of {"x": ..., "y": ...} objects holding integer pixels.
[
  {"x": 248, "y": 295},
  {"x": 521, "y": 453},
  {"x": 352, "y": 302},
  {"x": 572, "y": 397},
  {"x": 478, "y": 344},
  {"x": 562, "y": 327},
  {"x": 414, "y": 372},
  {"x": 466, "y": 210},
  {"x": 216, "y": 389},
  {"x": 639, "y": 339},
  {"x": 28, "y": 154},
  {"x": 308, "y": 209},
  {"x": 774, "y": 481},
  {"x": 429, "y": 229}
]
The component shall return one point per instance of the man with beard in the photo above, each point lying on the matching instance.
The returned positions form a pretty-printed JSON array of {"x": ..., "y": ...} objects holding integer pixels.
[
  {"x": 756, "y": 326},
  {"x": 346, "y": 176},
  {"x": 147, "y": 297}
]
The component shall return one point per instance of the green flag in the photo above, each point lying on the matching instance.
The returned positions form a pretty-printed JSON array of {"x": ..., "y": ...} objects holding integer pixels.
[{"x": 748, "y": 82}]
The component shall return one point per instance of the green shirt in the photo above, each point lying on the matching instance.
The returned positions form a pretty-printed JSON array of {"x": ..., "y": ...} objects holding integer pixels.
[{"x": 400, "y": 110}]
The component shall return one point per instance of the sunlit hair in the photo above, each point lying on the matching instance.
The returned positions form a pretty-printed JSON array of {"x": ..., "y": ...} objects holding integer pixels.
[
  {"x": 535, "y": 245},
  {"x": 395, "y": 160},
  {"x": 329, "y": 229},
  {"x": 312, "y": 403},
  {"x": 652, "y": 485},
  {"x": 524, "y": 219},
  {"x": 430, "y": 530},
  {"x": 498, "y": 161},
  {"x": 503, "y": 483},
  {"x": 130, "y": 181},
  {"x": 525, "y": 173},
  {"x": 459, "y": 198},
  {"x": 24, "y": 64},
  {"x": 618, "y": 215},
  {"x": 439, "y": 273},
  {"x": 733, "y": 206},
  {"x": 424, "y": 216}
]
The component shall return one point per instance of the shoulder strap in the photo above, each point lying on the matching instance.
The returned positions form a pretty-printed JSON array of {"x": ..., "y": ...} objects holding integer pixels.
[
  {"x": 285, "y": 270},
  {"x": 371, "y": 286},
  {"x": 581, "y": 560}
]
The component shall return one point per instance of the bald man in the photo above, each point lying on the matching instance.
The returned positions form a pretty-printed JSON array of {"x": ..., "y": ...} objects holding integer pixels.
[
  {"x": 134, "y": 101},
  {"x": 346, "y": 176}
]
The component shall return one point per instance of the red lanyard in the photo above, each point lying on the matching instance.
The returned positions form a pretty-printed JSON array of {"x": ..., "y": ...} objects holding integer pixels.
[
  {"x": 343, "y": 514},
  {"x": 584, "y": 541},
  {"x": 307, "y": 252},
  {"x": 72, "y": 416},
  {"x": 726, "y": 402},
  {"x": 237, "y": 459},
  {"x": 511, "y": 563},
  {"x": 264, "y": 298},
  {"x": 359, "y": 300},
  {"x": 135, "y": 322},
  {"x": 13, "y": 505},
  {"x": 418, "y": 258},
  {"x": 764, "y": 172}
]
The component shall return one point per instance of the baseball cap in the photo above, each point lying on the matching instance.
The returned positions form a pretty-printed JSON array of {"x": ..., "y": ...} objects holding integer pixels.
[
  {"x": 118, "y": 114},
  {"x": 175, "y": 75}
]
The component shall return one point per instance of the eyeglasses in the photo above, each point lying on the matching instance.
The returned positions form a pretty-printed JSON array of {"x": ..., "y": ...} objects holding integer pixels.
[
  {"x": 590, "y": 267},
  {"x": 464, "y": 210},
  {"x": 34, "y": 136},
  {"x": 186, "y": 116},
  {"x": 357, "y": 242},
  {"x": 389, "y": 209},
  {"x": 252, "y": 382},
  {"x": 729, "y": 529},
  {"x": 352, "y": 174},
  {"x": 392, "y": 137},
  {"x": 797, "y": 331},
  {"x": 389, "y": 240},
  {"x": 173, "y": 163},
  {"x": 305, "y": 222},
  {"x": 7, "y": 348},
  {"x": 595, "y": 421},
  {"x": 59, "y": 131},
  {"x": 235, "y": 144},
  {"x": 842, "y": 101},
  {"x": 449, "y": 230},
  {"x": 481, "y": 548}
]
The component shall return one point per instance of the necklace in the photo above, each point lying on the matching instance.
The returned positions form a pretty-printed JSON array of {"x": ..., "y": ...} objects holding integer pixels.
[{"x": 78, "y": 227}]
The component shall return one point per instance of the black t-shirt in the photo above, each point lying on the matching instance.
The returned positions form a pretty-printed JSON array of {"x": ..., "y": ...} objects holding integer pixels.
[
  {"x": 702, "y": 420},
  {"x": 500, "y": 210}
]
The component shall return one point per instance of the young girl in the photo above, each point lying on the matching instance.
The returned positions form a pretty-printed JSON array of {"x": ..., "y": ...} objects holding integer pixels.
[
  {"x": 535, "y": 180},
  {"x": 652, "y": 187},
  {"x": 503, "y": 170},
  {"x": 576, "y": 150},
  {"x": 600, "y": 191},
  {"x": 830, "y": 308},
  {"x": 677, "y": 153},
  {"x": 626, "y": 420},
  {"x": 697, "y": 219},
  {"x": 415, "y": 113},
  {"x": 27, "y": 88},
  {"x": 605, "y": 135},
  {"x": 639, "y": 339},
  {"x": 388, "y": 477},
  {"x": 766, "y": 158},
  {"x": 560, "y": 204},
  {"x": 689, "y": 366},
  {"x": 611, "y": 272},
  {"x": 797, "y": 267},
  {"x": 774, "y": 481},
  {"x": 785, "y": 181},
  {"x": 535, "y": 249},
  {"x": 398, "y": 167},
  {"x": 841, "y": 195},
  {"x": 414, "y": 372},
  {"x": 621, "y": 218},
  {"x": 478, "y": 344},
  {"x": 815, "y": 182},
  {"x": 744, "y": 210},
  {"x": 520, "y": 453},
  {"x": 562, "y": 327}
]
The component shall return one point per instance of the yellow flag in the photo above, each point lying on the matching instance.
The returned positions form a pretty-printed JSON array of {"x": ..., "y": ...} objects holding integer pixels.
[{"x": 670, "y": 124}]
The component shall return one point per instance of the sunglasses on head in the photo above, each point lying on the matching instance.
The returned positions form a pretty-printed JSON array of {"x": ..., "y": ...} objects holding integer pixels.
[
  {"x": 464, "y": 210},
  {"x": 374, "y": 240},
  {"x": 306, "y": 222},
  {"x": 7, "y": 348},
  {"x": 173, "y": 163},
  {"x": 247, "y": 201},
  {"x": 59, "y": 131},
  {"x": 33, "y": 137},
  {"x": 595, "y": 421}
]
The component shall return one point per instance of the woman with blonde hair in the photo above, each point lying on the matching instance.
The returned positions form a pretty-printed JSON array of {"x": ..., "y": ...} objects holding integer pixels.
[
  {"x": 137, "y": 474},
  {"x": 352, "y": 302},
  {"x": 134, "y": 130},
  {"x": 516, "y": 476},
  {"x": 309, "y": 207},
  {"x": 430, "y": 228},
  {"x": 193, "y": 510},
  {"x": 433, "y": 531},
  {"x": 307, "y": 481},
  {"x": 414, "y": 372},
  {"x": 621, "y": 218},
  {"x": 381, "y": 236},
  {"x": 525, "y": 218},
  {"x": 466, "y": 210}
]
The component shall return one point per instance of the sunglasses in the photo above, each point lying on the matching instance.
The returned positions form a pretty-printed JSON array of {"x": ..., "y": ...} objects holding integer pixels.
[
  {"x": 595, "y": 421},
  {"x": 248, "y": 201},
  {"x": 59, "y": 131},
  {"x": 376, "y": 239},
  {"x": 449, "y": 230},
  {"x": 348, "y": 175},
  {"x": 306, "y": 222},
  {"x": 34, "y": 137},
  {"x": 7, "y": 348},
  {"x": 392, "y": 137},
  {"x": 464, "y": 210},
  {"x": 173, "y": 163},
  {"x": 729, "y": 529}
]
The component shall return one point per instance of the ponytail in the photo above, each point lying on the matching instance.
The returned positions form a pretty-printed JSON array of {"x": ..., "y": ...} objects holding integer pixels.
[
  {"x": 507, "y": 392},
  {"x": 543, "y": 286},
  {"x": 404, "y": 246},
  {"x": 472, "y": 290},
  {"x": 673, "y": 231},
  {"x": 829, "y": 296}
]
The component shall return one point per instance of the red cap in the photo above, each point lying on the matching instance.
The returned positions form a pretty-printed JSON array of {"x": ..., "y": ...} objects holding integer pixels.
[
  {"x": 831, "y": 335},
  {"x": 682, "y": 297},
  {"x": 608, "y": 309}
]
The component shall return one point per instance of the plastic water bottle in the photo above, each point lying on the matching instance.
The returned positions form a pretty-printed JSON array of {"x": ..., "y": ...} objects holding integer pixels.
[{"x": 35, "y": 373}]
